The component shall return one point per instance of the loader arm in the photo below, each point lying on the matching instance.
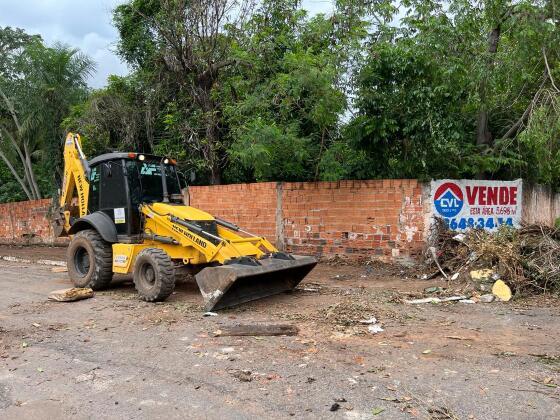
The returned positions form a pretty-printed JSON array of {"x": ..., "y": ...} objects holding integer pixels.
[
  {"x": 76, "y": 175},
  {"x": 189, "y": 236}
]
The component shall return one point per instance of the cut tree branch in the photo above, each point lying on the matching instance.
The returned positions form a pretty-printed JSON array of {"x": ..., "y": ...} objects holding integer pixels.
[{"x": 548, "y": 71}]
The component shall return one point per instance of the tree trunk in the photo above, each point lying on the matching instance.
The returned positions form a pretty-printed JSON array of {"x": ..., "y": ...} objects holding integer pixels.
[
  {"x": 204, "y": 99},
  {"x": 483, "y": 133},
  {"x": 26, "y": 177},
  {"x": 33, "y": 182},
  {"x": 16, "y": 175},
  {"x": 213, "y": 138}
]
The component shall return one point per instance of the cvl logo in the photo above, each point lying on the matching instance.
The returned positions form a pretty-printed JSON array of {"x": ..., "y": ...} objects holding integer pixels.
[{"x": 448, "y": 199}]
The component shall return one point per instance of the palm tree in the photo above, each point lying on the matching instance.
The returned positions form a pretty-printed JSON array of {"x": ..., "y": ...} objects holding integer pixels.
[{"x": 51, "y": 81}]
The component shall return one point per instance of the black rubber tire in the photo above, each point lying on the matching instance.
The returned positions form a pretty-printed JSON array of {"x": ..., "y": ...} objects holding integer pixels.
[
  {"x": 154, "y": 275},
  {"x": 90, "y": 260}
]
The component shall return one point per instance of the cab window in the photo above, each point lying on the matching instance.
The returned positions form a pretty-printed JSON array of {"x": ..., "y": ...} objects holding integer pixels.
[{"x": 93, "y": 200}]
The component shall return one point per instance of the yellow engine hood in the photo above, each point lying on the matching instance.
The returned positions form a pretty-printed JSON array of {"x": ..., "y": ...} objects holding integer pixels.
[{"x": 181, "y": 211}]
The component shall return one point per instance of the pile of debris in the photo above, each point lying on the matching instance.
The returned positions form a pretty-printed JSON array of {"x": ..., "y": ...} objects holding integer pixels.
[{"x": 526, "y": 259}]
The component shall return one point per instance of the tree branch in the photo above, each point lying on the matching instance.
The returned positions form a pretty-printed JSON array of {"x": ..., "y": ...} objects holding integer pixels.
[
  {"x": 11, "y": 109},
  {"x": 514, "y": 129},
  {"x": 548, "y": 71},
  {"x": 14, "y": 172}
]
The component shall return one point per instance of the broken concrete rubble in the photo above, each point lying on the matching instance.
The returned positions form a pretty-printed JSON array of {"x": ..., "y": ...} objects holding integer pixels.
[{"x": 487, "y": 298}]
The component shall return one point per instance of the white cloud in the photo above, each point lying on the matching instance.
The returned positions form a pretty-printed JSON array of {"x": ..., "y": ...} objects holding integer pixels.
[{"x": 84, "y": 24}]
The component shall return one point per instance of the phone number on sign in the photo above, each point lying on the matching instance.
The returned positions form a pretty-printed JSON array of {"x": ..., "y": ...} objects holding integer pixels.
[{"x": 480, "y": 222}]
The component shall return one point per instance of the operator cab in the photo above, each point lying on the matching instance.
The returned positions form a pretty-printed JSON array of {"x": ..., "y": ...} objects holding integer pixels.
[{"x": 120, "y": 182}]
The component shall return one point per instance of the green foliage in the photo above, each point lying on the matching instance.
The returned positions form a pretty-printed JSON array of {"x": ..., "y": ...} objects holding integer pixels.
[
  {"x": 287, "y": 106},
  {"x": 411, "y": 115}
]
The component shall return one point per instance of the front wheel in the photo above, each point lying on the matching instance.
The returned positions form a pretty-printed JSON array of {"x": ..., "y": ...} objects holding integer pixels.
[
  {"x": 154, "y": 275},
  {"x": 90, "y": 260}
]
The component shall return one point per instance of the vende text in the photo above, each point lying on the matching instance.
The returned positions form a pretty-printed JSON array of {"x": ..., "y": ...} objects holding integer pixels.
[{"x": 490, "y": 196}]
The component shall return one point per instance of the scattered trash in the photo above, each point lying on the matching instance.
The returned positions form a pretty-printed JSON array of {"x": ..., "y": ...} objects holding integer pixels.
[
  {"x": 455, "y": 276},
  {"x": 310, "y": 289},
  {"x": 374, "y": 329},
  {"x": 467, "y": 301},
  {"x": 40, "y": 370},
  {"x": 505, "y": 354},
  {"x": 334, "y": 407},
  {"x": 377, "y": 410},
  {"x": 456, "y": 337},
  {"x": 435, "y": 300},
  {"x": 227, "y": 350},
  {"x": 487, "y": 298},
  {"x": 460, "y": 237},
  {"x": 71, "y": 295},
  {"x": 209, "y": 314},
  {"x": 501, "y": 291},
  {"x": 427, "y": 351},
  {"x": 241, "y": 375},
  {"x": 372, "y": 320},
  {"x": 24, "y": 345},
  {"x": 36, "y": 325},
  {"x": 484, "y": 274},
  {"x": 59, "y": 269},
  {"x": 257, "y": 330},
  {"x": 52, "y": 262},
  {"x": 433, "y": 289}
]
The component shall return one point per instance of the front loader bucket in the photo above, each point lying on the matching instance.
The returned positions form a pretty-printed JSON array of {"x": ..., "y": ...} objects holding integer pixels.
[{"x": 229, "y": 285}]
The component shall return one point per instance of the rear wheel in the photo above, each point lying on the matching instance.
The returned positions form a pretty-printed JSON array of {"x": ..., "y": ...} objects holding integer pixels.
[
  {"x": 89, "y": 260},
  {"x": 154, "y": 275}
]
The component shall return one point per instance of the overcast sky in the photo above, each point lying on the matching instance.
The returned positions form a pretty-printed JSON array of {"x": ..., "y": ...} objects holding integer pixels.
[{"x": 85, "y": 24}]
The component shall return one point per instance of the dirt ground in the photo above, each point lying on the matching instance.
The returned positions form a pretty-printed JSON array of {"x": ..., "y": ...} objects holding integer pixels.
[{"x": 114, "y": 356}]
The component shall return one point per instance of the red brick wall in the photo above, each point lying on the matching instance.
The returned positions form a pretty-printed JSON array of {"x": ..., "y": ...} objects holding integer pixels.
[
  {"x": 251, "y": 206},
  {"x": 25, "y": 222},
  {"x": 381, "y": 218}
]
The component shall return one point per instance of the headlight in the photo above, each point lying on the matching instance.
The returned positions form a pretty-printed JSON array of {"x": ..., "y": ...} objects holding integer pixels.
[
  {"x": 166, "y": 161},
  {"x": 141, "y": 157}
]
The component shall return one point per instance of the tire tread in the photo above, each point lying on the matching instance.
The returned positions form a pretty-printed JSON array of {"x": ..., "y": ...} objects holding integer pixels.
[{"x": 166, "y": 272}]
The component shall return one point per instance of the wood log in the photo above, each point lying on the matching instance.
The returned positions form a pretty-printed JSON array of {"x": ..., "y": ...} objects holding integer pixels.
[
  {"x": 257, "y": 330},
  {"x": 71, "y": 295}
]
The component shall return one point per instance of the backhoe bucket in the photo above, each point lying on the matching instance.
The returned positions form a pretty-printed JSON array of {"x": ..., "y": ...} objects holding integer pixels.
[
  {"x": 57, "y": 223},
  {"x": 232, "y": 284}
]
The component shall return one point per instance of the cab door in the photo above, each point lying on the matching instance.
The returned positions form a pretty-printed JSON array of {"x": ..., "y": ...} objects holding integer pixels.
[{"x": 113, "y": 195}]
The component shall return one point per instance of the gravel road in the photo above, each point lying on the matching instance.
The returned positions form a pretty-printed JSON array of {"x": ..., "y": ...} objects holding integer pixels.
[{"x": 114, "y": 356}]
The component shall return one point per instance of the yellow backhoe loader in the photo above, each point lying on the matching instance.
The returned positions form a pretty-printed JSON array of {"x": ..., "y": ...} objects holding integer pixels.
[{"x": 130, "y": 218}]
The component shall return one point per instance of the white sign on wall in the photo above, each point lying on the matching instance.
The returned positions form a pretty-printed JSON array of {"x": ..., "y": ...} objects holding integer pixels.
[{"x": 466, "y": 203}]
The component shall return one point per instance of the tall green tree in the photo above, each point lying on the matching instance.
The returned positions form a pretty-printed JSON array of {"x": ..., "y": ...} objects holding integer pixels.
[
  {"x": 285, "y": 107},
  {"x": 187, "y": 46}
]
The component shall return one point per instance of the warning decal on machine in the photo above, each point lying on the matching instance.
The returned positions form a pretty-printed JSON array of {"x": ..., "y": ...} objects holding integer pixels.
[
  {"x": 465, "y": 204},
  {"x": 119, "y": 215}
]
